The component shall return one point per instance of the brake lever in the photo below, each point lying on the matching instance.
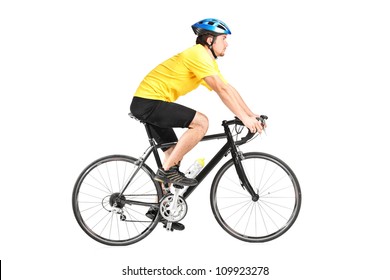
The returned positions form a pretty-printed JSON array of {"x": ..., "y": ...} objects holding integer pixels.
[
  {"x": 263, "y": 119},
  {"x": 263, "y": 125}
]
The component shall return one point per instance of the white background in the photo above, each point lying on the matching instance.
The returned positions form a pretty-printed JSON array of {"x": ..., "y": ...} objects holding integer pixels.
[{"x": 319, "y": 69}]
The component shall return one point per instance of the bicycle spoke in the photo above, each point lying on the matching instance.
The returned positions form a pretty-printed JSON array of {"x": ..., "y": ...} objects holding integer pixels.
[
  {"x": 262, "y": 176},
  {"x": 249, "y": 218},
  {"x": 233, "y": 205},
  {"x": 106, "y": 214},
  {"x": 270, "y": 186},
  {"x": 241, "y": 218},
  {"x": 98, "y": 204},
  {"x": 123, "y": 179},
  {"x": 267, "y": 180},
  {"x": 92, "y": 215},
  {"x": 90, "y": 195},
  {"x": 262, "y": 218},
  {"x": 234, "y": 191},
  {"x": 98, "y": 181},
  {"x": 97, "y": 188},
  {"x": 142, "y": 185},
  {"x": 238, "y": 212},
  {"x": 109, "y": 178},
  {"x": 110, "y": 228},
  {"x": 104, "y": 181},
  {"x": 134, "y": 224}
]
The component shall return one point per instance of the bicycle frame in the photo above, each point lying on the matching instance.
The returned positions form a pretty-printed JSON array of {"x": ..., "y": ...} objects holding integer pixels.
[{"x": 229, "y": 147}]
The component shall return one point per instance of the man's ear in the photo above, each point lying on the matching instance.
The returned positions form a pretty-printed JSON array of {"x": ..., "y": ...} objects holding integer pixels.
[{"x": 209, "y": 40}]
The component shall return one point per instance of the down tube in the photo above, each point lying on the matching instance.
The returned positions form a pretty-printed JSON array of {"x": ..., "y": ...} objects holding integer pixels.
[{"x": 206, "y": 170}]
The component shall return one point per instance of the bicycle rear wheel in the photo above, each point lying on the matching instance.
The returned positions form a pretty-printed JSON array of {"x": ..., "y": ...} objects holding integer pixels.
[
  {"x": 100, "y": 213},
  {"x": 272, "y": 214}
]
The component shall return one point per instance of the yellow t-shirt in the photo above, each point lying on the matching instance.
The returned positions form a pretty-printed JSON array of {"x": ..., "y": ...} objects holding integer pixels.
[{"x": 179, "y": 75}]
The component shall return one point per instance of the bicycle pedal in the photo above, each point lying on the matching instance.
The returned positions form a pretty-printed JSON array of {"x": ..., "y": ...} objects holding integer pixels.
[
  {"x": 168, "y": 226},
  {"x": 178, "y": 186}
]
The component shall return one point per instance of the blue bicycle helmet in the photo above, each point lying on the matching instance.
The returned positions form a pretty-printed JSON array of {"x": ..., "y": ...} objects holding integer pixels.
[{"x": 212, "y": 26}]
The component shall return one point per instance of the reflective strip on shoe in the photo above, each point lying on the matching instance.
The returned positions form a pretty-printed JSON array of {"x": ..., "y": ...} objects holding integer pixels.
[{"x": 174, "y": 176}]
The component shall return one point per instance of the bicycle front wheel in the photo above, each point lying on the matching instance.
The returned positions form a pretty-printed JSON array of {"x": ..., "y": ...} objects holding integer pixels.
[
  {"x": 103, "y": 212},
  {"x": 272, "y": 214}
]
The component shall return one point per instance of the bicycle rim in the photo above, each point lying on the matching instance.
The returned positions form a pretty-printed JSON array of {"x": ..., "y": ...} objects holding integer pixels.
[
  {"x": 94, "y": 196},
  {"x": 262, "y": 220}
]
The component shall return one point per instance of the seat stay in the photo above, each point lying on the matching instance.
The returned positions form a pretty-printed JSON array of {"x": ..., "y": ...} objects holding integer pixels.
[
  {"x": 139, "y": 163},
  {"x": 153, "y": 148}
]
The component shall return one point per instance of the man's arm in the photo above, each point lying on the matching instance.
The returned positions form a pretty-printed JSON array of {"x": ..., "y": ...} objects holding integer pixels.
[
  {"x": 232, "y": 99},
  {"x": 242, "y": 102}
]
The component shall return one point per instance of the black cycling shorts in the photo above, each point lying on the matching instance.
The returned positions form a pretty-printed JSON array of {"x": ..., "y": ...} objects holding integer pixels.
[{"x": 162, "y": 116}]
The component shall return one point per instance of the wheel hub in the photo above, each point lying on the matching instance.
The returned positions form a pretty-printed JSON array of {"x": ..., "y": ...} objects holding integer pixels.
[{"x": 118, "y": 199}]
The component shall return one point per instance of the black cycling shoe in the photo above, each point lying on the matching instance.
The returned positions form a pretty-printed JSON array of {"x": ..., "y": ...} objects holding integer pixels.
[
  {"x": 174, "y": 176},
  {"x": 152, "y": 212}
]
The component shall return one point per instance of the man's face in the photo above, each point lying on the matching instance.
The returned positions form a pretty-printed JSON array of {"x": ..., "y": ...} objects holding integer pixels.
[{"x": 220, "y": 45}]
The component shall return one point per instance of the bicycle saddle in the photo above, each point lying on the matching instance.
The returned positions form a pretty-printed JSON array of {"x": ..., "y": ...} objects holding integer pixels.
[{"x": 133, "y": 117}]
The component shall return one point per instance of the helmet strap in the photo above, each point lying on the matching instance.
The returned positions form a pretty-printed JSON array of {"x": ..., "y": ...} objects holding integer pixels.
[{"x": 211, "y": 47}]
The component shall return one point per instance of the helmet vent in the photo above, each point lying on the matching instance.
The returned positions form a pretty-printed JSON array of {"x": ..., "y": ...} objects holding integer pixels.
[{"x": 222, "y": 27}]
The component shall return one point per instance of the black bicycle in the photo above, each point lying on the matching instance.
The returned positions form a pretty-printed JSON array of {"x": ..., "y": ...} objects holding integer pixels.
[{"x": 255, "y": 196}]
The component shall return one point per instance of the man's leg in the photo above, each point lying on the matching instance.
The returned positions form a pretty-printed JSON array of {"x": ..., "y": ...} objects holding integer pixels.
[
  {"x": 164, "y": 118},
  {"x": 167, "y": 153},
  {"x": 196, "y": 130}
]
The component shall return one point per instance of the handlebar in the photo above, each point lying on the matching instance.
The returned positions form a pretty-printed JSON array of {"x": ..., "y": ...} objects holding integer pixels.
[{"x": 249, "y": 135}]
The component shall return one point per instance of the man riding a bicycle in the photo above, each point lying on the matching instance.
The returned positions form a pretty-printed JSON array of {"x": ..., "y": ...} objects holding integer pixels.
[
  {"x": 153, "y": 102},
  {"x": 254, "y": 196}
]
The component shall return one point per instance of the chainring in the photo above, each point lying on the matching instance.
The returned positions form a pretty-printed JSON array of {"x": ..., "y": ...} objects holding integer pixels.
[{"x": 166, "y": 208}]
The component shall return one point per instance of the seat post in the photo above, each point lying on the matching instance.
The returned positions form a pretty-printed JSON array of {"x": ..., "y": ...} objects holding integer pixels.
[
  {"x": 152, "y": 143},
  {"x": 150, "y": 139}
]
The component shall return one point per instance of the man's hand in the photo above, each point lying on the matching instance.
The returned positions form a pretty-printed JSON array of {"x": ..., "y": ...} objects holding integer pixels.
[{"x": 252, "y": 124}]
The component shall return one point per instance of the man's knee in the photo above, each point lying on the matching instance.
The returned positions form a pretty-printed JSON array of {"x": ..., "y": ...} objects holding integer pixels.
[{"x": 200, "y": 121}]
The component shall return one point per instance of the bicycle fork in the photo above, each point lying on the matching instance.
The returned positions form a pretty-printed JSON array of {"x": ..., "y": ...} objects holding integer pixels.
[
  {"x": 244, "y": 182},
  {"x": 237, "y": 157}
]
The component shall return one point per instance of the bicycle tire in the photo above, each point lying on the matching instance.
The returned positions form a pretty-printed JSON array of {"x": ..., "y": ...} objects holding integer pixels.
[
  {"x": 93, "y": 198},
  {"x": 262, "y": 220}
]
